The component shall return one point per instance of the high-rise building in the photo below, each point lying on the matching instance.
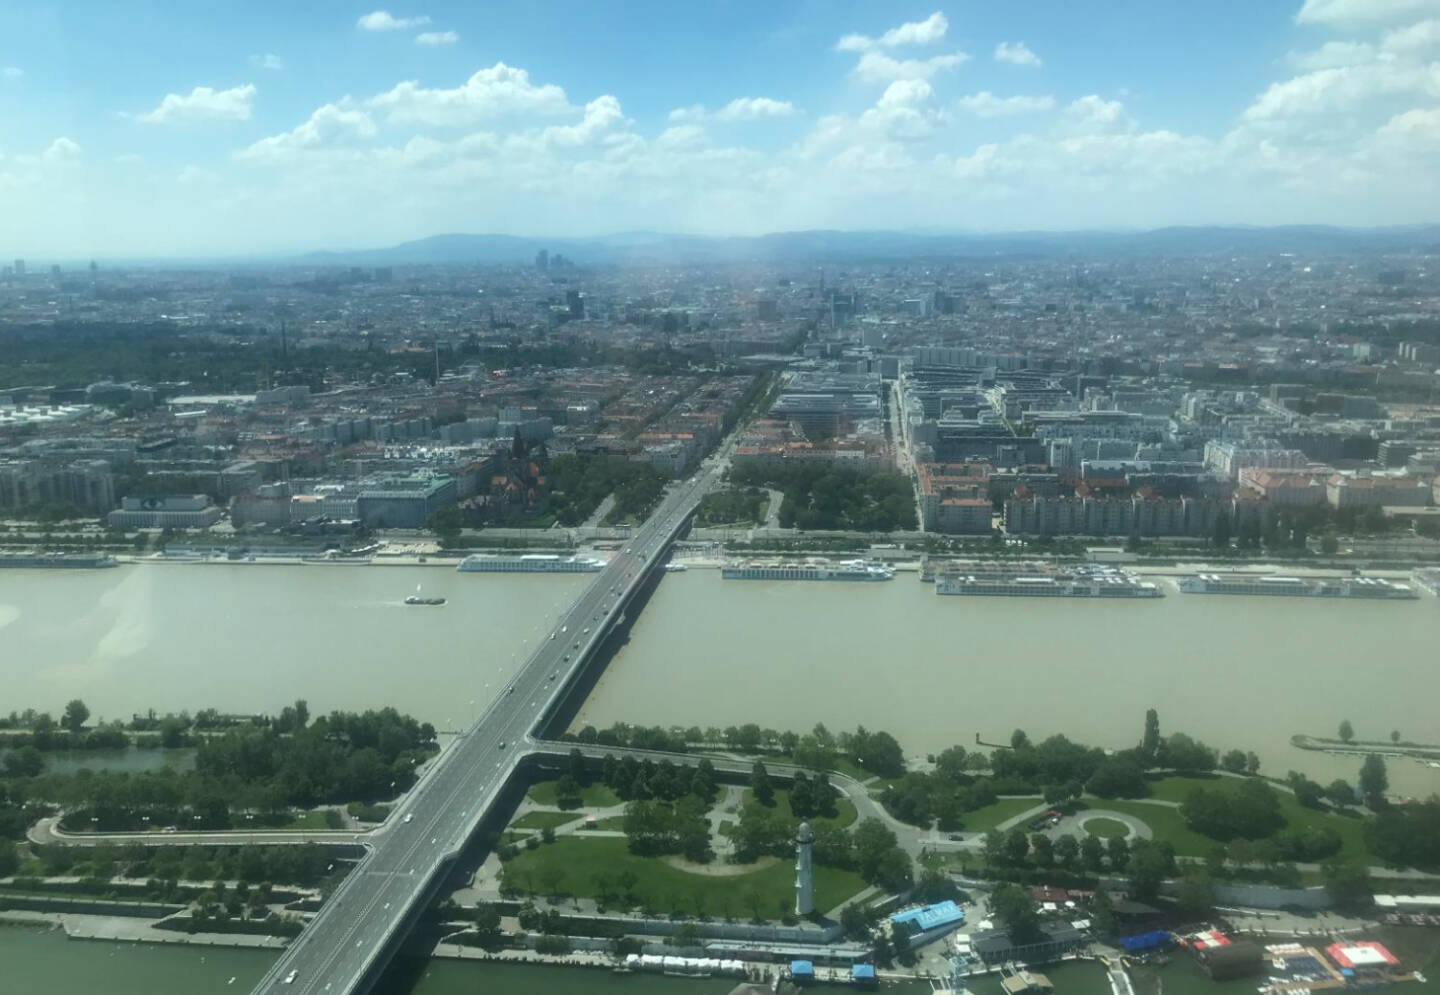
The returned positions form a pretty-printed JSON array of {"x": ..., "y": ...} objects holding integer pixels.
[
  {"x": 19, "y": 267},
  {"x": 542, "y": 260},
  {"x": 804, "y": 872}
]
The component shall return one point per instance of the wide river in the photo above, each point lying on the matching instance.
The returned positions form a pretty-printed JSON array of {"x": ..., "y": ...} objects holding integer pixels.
[{"x": 1234, "y": 671}]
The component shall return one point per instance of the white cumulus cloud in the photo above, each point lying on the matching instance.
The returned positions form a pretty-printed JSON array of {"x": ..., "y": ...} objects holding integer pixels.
[
  {"x": 60, "y": 150},
  {"x": 1359, "y": 13},
  {"x": 750, "y": 108},
  {"x": 203, "y": 103},
  {"x": 986, "y": 104},
  {"x": 12, "y": 72},
  {"x": 331, "y": 125},
  {"x": 383, "y": 20},
  {"x": 437, "y": 38},
  {"x": 267, "y": 61},
  {"x": 877, "y": 67},
  {"x": 926, "y": 32},
  {"x": 492, "y": 92},
  {"x": 1017, "y": 53}
]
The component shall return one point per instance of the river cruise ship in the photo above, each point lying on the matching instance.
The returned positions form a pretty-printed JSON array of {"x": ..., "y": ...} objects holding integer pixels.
[
  {"x": 1111, "y": 584},
  {"x": 807, "y": 570},
  {"x": 542, "y": 563},
  {"x": 72, "y": 561},
  {"x": 1372, "y": 588},
  {"x": 1427, "y": 579}
]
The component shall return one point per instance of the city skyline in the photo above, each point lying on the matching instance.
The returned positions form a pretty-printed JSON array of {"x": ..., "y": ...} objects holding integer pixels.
[{"x": 355, "y": 128}]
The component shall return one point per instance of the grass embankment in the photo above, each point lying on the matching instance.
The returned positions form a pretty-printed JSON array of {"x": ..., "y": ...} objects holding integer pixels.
[
  {"x": 663, "y": 888},
  {"x": 593, "y": 795}
]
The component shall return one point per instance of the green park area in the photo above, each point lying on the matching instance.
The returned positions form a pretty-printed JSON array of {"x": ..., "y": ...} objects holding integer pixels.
[
  {"x": 1168, "y": 822},
  {"x": 604, "y": 869},
  {"x": 593, "y": 795},
  {"x": 543, "y": 820},
  {"x": 984, "y": 819},
  {"x": 845, "y": 814},
  {"x": 1106, "y": 828}
]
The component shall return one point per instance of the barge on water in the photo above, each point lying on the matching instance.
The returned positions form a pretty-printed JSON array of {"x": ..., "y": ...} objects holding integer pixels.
[
  {"x": 546, "y": 563},
  {"x": 861, "y": 570},
  {"x": 1427, "y": 579},
  {"x": 70, "y": 561},
  {"x": 1371, "y": 588},
  {"x": 1076, "y": 584}
]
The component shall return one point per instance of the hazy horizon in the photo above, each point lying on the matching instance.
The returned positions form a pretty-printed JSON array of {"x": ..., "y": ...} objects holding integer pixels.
[{"x": 298, "y": 129}]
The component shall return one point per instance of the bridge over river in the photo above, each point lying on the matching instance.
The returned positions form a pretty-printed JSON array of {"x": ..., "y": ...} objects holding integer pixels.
[{"x": 347, "y": 944}]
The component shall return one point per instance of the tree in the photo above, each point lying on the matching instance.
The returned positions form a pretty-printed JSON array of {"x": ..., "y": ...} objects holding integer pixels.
[
  {"x": 1233, "y": 761},
  {"x": 1186, "y": 754},
  {"x": 1067, "y": 851},
  {"x": 1042, "y": 850},
  {"x": 1307, "y": 792},
  {"x": 1103, "y": 913},
  {"x": 1339, "y": 792},
  {"x": 487, "y": 925},
  {"x": 1347, "y": 731},
  {"x": 1118, "y": 851},
  {"x": 855, "y": 918},
  {"x": 1118, "y": 777},
  {"x": 1347, "y": 884},
  {"x": 1018, "y": 740},
  {"x": 1017, "y": 845},
  {"x": 1195, "y": 897},
  {"x": 760, "y": 785},
  {"x": 1150, "y": 741},
  {"x": 1373, "y": 779},
  {"x": 26, "y": 761},
  {"x": 900, "y": 943},
  {"x": 1147, "y": 868},
  {"x": 446, "y": 523},
  {"x": 1092, "y": 853},
  {"x": 994, "y": 848},
  {"x": 1018, "y": 910},
  {"x": 75, "y": 715}
]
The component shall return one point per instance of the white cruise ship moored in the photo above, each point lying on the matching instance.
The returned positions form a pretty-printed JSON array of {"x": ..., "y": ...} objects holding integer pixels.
[
  {"x": 807, "y": 570},
  {"x": 1373, "y": 588},
  {"x": 545, "y": 563}
]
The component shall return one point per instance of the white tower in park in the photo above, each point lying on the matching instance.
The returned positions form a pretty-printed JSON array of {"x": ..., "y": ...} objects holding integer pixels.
[{"x": 804, "y": 876}]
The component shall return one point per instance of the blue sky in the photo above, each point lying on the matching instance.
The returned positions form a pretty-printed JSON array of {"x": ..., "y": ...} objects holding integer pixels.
[{"x": 164, "y": 128}]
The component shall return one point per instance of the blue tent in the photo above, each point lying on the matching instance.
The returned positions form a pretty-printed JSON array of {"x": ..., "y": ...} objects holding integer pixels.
[
  {"x": 862, "y": 972},
  {"x": 1141, "y": 942},
  {"x": 802, "y": 969}
]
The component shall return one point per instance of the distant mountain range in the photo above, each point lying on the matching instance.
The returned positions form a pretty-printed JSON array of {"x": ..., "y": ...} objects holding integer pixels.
[{"x": 878, "y": 246}]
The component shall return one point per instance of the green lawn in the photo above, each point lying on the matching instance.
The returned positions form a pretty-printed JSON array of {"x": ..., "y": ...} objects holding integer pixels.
[
  {"x": 1350, "y": 827},
  {"x": 539, "y": 820},
  {"x": 615, "y": 822},
  {"x": 1164, "y": 820},
  {"x": 666, "y": 889},
  {"x": 1176, "y": 788},
  {"x": 595, "y": 795},
  {"x": 982, "y": 820},
  {"x": 845, "y": 813},
  {"x": 1168, "y": 824},
  {"x": 313, "y": 819},
  {"x": 1106, "y": 828}
]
